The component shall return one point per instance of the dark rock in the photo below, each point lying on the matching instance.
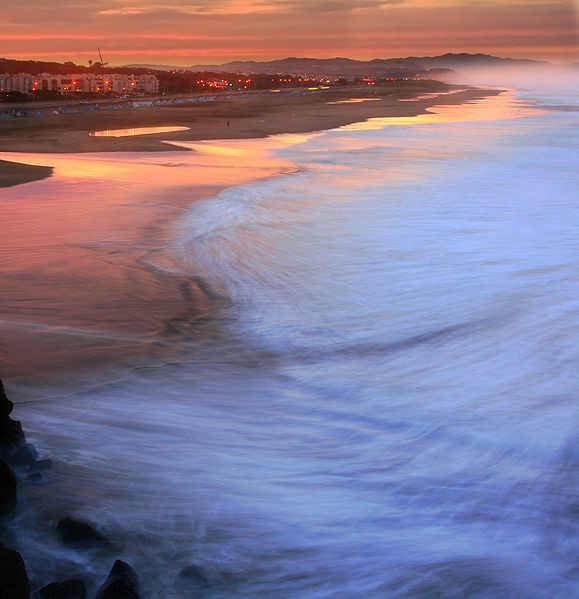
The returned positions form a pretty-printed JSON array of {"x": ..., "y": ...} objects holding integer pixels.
[
  {"x": 69, "y": 589},
  {"x": 195, "y": 574},
  {"x": 14, "y": 583},
  {"x": 79, "y": 533},
  {"x": 7, "y": 489},
  {"x": 11, "y": 437},
  {"x": 121, "y": 583},
  {"x": 5, "y": 404},
  {"x": 13, "y": 447}
]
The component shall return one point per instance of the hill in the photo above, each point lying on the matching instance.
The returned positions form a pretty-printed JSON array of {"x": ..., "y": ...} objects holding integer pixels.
[
  {"x": 347, "y": 67},
  {"x": 469, "y": 61}
]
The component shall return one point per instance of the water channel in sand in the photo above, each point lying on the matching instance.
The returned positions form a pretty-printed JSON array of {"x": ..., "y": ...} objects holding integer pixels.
[{"x": 136, "y": 131}]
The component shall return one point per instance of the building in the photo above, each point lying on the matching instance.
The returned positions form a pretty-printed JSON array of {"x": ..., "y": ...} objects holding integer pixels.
[
  {"x": 115, "y": 83},
  {"x": 120, "y": 83},
  {"x": 22, "y": 82}
]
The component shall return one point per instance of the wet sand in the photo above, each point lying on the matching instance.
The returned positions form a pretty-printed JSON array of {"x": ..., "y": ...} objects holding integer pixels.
[
  {"x": 13, "y": 173},
  {"x": 237, "y": 118}
]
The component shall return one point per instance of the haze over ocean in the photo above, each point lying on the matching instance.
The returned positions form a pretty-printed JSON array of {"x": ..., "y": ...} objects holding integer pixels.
[{"x": 372, "y": 391}]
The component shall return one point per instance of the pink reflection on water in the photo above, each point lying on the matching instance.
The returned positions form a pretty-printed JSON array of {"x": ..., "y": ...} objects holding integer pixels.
[
  {"x": 492, "y": 108},
  {"x": 76, "y": 281},
  {"x": 410, "y": 150}
]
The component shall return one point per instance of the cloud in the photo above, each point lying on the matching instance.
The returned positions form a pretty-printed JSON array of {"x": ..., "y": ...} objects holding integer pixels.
[
  {"x": 246, "y": 7},
  {"x": 236, "y": 7},
  {"x": 265, "y": 29},
  {"x": 123, "y": 11}
]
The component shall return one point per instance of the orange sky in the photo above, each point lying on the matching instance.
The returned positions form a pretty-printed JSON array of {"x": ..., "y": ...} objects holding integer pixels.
[{"x": 187, "y": 32}]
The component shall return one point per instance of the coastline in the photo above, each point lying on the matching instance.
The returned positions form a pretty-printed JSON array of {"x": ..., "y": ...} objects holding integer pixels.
[{"x": 235, "y": 118}]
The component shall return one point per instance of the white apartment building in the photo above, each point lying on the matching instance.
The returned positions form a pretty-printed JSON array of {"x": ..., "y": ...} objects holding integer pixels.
[
  {"x": 22, "y": 82},
  {"x": 118, "y": 83}
]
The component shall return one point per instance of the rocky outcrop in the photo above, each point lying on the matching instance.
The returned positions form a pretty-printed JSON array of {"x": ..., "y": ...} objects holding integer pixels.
[
  {"x": 69, "y": 589},
  {"x": 7, "y": 489},
  {"x": 5, "y": 404},
  {"x": 122, "y": 583},
  {"x": 14, "y": 583},
  {"x": 15, "y": 452},
  {"x": 13, "y": 447},
  {"x": 79, "y": 533}
]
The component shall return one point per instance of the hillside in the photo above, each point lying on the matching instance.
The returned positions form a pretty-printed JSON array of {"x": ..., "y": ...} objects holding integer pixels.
[{"x": 348, "y": 67}]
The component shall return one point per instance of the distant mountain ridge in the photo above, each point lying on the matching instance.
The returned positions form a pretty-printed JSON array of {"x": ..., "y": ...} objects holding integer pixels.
[
  {"x": 328, "y": 66},
  {"x": 464, "y": 60},
  {"x": 349, "y": 67}
]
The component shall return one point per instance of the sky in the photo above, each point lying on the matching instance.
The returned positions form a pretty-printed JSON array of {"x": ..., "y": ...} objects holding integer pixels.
[{"x": 189, "y": 32}]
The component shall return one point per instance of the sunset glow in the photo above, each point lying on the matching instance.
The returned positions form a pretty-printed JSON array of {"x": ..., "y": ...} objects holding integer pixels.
[{"x": 184, "y": 32}]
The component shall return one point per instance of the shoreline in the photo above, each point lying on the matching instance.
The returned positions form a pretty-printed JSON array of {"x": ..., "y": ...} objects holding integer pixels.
[
  {"x": 87, "y": 329},
  {"x": 234, "y": 118}
]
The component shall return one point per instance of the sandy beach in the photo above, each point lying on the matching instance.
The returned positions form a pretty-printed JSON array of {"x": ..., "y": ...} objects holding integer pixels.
[{"x": 237, "y": 118}]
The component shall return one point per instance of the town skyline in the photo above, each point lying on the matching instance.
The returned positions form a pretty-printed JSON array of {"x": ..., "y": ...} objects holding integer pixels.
[{"x": 183, "y": 32}]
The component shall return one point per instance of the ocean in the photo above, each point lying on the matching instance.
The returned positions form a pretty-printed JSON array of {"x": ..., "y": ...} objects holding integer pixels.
[{"x": 364, "y": 386}]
